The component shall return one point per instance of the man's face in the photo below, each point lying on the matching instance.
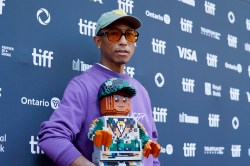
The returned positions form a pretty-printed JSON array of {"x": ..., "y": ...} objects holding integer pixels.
[{"x": 115, "y": 53}]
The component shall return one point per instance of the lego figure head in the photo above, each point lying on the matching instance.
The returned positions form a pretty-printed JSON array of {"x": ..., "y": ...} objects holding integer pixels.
[{"x": 114, "y": 96}]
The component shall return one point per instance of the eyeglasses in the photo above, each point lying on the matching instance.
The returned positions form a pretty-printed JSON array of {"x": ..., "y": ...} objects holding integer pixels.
[{"x": 114, "y": 35}]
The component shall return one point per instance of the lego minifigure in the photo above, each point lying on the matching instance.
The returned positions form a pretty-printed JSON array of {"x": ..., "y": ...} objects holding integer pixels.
[{"x": 119, "y": 140}]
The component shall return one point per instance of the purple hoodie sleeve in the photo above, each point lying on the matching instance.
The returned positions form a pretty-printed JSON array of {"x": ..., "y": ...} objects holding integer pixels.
[
  {"x": 57, "y": 134},
  {"x": 155, "y": 138}
]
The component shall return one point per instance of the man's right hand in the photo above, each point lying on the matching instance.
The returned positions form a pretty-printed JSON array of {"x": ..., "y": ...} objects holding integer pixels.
[{"x": 82, "y": 161}]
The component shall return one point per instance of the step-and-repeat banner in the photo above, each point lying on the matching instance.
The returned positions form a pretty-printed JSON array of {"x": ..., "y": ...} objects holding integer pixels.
[{"x": 193, "y": 57}]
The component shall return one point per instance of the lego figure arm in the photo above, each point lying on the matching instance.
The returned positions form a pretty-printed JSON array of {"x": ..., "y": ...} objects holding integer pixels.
[
  {"x": 99, "y": 136},
  {"x": 149, "y": 146}
]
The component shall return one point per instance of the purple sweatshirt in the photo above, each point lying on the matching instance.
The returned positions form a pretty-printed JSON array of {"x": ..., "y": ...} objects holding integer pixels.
[{"x": 64, "y": 136}]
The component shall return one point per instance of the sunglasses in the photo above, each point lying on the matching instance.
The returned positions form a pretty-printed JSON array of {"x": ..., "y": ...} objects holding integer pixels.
[{"x": 114, "y": 35}]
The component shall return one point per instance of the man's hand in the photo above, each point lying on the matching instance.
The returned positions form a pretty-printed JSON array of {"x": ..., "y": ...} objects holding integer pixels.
[
  {"x": 153, "y": 148},
  {"x": 82, "y": 161},
  {"x": 102, "y": 137}
]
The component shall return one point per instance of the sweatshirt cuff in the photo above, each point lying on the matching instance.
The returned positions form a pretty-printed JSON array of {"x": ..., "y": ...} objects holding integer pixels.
[{"x": 62, "y": 152}]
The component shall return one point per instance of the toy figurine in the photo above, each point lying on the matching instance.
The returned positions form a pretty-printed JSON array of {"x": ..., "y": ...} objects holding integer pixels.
[{"x": 119, "y": 140}]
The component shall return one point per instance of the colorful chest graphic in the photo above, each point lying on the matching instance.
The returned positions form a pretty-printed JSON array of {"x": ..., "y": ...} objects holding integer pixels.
[{"x": 126, "y": 143}]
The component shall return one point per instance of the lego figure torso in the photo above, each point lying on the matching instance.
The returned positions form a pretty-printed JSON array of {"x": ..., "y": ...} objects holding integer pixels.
[{"x": 126, "y": 143}]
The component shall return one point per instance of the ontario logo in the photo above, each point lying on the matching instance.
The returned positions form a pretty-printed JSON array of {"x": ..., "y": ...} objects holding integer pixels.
[{"x": 53, "y": 103}]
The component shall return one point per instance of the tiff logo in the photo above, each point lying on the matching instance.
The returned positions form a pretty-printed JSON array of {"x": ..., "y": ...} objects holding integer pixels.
[
  {"x": 209, "y": 8},
  {"x": 34, "y": 148},
  {"x": 41, "y": 58},
  {"x": 186, "y": 53},
  {"x": 2, "y": 4},
  {"x": 249, "y": 71},
  {"x": 130, "y": 71},
  {"x": 189, "y": 149},
  {"x": 159, "y": 46},
  {"x": 186, "y": 25},
  {"x": 80, "y": 65},
  {"x": 87, "y": 27},
  {"x": 248, "y": 24},
  {"x": 247, "y": 47},
  {"x": 236, "y": 149},
  {"x": 234, "y": 94},
  {"x": 232, "y": 41},
  {"x": 126, "y": 5},
  {"x": 188, "y": 85},
  {"x": 213, "y": 120},
  {"x": 212, "y": 60},
  {"x": 160, "y": 114},
  {"x": 248, "y": 96}
]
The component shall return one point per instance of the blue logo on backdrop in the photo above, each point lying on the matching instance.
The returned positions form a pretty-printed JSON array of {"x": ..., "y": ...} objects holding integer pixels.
[
  {"x": 54, "y": 102},
  {"x": 41, "y": 12},
  {"x": 159, "y": 79}
]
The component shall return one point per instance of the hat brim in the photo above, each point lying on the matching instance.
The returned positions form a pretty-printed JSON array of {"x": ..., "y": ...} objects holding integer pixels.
[{"x": 131, "y": 20}]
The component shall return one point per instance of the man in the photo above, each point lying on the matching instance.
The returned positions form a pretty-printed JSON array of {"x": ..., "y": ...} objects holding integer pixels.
[{"x": 64, "y": 137}]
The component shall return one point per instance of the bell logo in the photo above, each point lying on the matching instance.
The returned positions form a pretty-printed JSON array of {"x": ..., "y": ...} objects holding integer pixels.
[{"x": 38, "y": 16}]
